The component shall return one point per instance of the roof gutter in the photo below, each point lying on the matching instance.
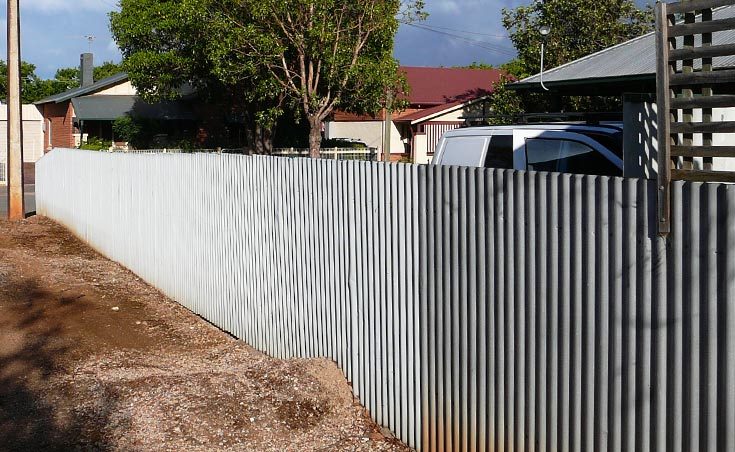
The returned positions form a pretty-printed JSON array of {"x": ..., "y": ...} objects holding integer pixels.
[{"x": 533, "y": 85}]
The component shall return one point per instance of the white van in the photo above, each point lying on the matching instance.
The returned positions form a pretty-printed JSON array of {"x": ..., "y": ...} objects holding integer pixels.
[{"x": 561, "y": 147}]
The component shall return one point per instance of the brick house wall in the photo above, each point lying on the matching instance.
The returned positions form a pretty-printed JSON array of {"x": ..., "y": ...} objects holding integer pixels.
[{"x": 59, "y": 125}]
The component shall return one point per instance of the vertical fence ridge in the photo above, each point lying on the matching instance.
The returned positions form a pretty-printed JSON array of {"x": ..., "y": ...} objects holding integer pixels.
[{"x": 472, "y": 310}]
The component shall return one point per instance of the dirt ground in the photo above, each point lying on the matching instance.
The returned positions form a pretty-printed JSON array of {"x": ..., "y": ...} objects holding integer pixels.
[{"x": 92, "y": 358}]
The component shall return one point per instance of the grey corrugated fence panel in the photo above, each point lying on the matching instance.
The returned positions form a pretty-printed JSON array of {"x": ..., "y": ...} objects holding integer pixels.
[{"x": 472, "y": 309}]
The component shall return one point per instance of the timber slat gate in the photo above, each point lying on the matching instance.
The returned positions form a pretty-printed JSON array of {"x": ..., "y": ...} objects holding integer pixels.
[{"x": 684, "y": 89}]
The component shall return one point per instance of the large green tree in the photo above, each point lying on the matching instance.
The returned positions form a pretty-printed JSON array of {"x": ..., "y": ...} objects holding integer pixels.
[
  {"x": 578, "y": 28},
  {"x": 319, "y": 55},
  {"x": 33, "y": 88},
  {"x": 262, "y": 57},
  {"x": 168, "y": 49}
]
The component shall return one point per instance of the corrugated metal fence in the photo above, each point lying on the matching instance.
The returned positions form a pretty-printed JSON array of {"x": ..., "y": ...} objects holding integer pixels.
[{"x": 472, "y": 309}]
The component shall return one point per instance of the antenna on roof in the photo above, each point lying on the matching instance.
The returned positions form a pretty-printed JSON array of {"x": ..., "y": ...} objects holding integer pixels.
[{"x": 90, "y": 39}]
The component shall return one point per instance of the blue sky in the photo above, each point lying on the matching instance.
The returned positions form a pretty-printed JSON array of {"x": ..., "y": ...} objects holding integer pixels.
[{"x": 53, "y": 33}]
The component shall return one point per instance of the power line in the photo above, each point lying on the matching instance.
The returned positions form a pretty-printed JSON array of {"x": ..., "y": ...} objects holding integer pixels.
[
  {"x": 481, "y": 44},
  {"x": 476, "y": 33}
]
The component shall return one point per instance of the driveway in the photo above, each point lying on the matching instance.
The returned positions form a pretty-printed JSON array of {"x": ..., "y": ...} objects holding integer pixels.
[{"x": 30, "y": 192}]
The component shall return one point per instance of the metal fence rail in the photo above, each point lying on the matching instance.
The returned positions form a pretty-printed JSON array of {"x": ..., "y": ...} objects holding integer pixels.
[
  {"x": 472, "y": 309},
  {"x": 369, "y": 154}
]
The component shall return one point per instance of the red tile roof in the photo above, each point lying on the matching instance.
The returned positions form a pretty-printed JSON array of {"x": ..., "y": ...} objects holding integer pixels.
[
  {"x": 437, "y": 86},
  {"x": 421, "y": 114}
]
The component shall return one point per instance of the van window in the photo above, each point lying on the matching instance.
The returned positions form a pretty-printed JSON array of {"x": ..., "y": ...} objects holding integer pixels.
[
  {"x": 463, "y": 151},
  {"x": 567, "y": 156},
  {"x": 500, "y": 152}
]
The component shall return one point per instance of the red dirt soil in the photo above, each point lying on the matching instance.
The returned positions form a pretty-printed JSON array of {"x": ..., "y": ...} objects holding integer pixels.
[{"x": 150, "y": 375}]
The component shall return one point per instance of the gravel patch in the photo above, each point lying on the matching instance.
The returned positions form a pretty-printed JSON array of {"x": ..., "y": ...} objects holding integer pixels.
[{"x": 93, "y": 358}]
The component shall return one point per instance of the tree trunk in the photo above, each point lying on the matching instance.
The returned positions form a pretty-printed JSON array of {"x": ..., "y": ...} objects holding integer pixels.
[
  {"x": 267, "y": 140},
  {"x": 249, "y": 137},
  {"x": 263, "y": 140},
  {"x": 315, "y": 137}
]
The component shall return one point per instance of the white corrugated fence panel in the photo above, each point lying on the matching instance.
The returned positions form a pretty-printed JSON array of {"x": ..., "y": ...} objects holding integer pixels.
[{"x": 471, "y": 309}]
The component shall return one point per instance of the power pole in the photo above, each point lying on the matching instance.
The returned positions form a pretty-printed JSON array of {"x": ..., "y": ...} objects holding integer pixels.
[
  {"x": 387, "y": 126},
  {"x": 16, "y": 203}
]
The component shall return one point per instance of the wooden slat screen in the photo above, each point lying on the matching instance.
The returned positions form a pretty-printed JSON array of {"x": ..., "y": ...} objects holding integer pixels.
[{"x": 681, "y": 90}]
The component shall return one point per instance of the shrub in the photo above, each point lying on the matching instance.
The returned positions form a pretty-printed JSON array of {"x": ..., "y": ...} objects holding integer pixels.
[
  {"x": 126, "y": 129},
  {"x": 96, "y": 144}
]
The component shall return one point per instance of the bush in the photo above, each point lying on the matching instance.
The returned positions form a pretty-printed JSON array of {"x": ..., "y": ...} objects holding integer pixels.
[
  {"x": 126, "y": 129},
  {"x": 345, "y": 144},
  {"x": 96, "y": 144}
]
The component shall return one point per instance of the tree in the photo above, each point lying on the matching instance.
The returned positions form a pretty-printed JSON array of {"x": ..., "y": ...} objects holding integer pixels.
[
  {"x": 168, "y": 49},
  {"x": 506, "y": 105},
  {"x": 318, "y": 55},
  {"x": 70, "y": 76},
  {"x": 33, "y": 88},
  {"x": 477, "y": 65},
  {"x": 578, "y": 28},
  {"x": 106, "y": 69}
]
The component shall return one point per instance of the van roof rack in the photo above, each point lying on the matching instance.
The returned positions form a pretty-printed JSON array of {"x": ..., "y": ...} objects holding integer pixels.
[{"x": 590, "y": 118}]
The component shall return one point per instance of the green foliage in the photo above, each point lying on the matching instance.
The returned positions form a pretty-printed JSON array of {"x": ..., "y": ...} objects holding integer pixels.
[
  {"x": 172, "y": 47},
  {"x": 127, "y": 129},
  {"x": 317, "y": 55},
  {"x": 264, "y": 57},
  {"x": 506, "y": 105},
  {"x": 35, "y": 88},
  {"x": 147, "y": 133},
  {"x": 96, "y": 144},
  {"x": 578, "y": 28},
  {"x": 342, "y": 144},
  {"x": 164, "y": 44},
  {"x": 106, "y": 69},
  {"x": 69, "y": 76},
  {"x": 516, "y": 69},
  {"x": 478, "y": 65},
  {"x": 32, "y": 87}
]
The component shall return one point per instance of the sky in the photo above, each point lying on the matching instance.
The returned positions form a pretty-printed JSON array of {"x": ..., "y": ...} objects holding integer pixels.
[{"x": 457, "y": 33}]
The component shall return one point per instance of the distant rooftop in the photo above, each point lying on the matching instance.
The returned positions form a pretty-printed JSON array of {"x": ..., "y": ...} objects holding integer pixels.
[
  {"x": 81, "y": 91},
  {"x": 431, "y": 86}
]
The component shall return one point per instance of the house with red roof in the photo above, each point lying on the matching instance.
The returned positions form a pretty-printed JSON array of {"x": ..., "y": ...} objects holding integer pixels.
[{"x": 440, "y": 99}]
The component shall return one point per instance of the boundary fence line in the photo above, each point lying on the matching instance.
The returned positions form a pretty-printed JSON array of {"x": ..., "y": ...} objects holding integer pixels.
[{"x": 471, "y": 309}]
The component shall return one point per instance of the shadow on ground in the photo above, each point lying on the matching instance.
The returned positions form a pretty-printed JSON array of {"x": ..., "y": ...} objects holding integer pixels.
[{"x": 36, "y": 410}]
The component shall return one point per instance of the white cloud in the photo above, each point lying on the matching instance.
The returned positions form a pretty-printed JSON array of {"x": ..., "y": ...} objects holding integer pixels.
[
  {"x": 54, "y": 6},
  {"x": 447, "y": 6}
]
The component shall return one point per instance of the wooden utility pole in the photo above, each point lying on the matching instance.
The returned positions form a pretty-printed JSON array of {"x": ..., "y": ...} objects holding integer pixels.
[
  {"x": 387, "y": 125},
  {"x": 16, "y": 204}
]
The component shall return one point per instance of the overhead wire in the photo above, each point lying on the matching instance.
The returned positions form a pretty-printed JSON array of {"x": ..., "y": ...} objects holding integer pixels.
[
  {"x": 481, "y": 44},
  {"x": 477, "y": 33}
]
